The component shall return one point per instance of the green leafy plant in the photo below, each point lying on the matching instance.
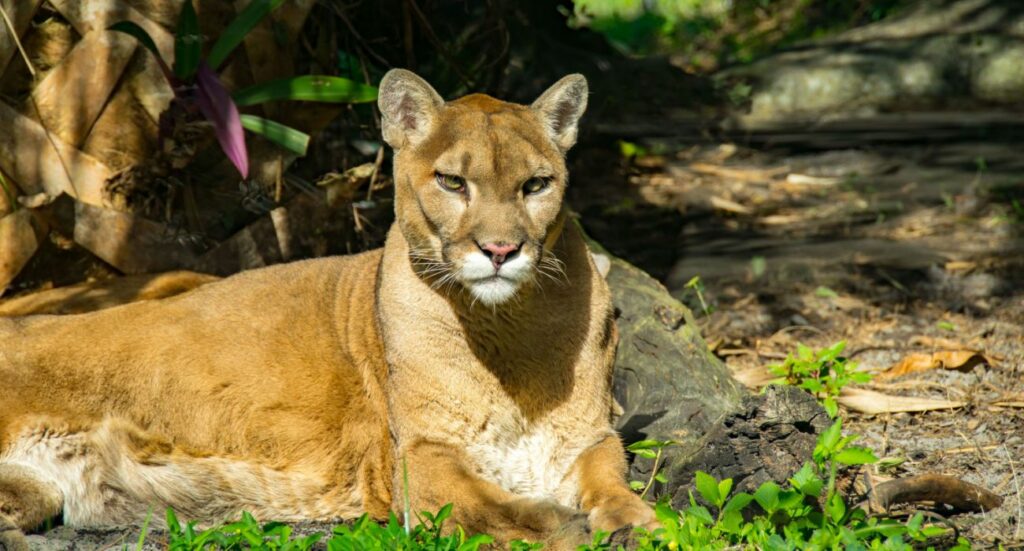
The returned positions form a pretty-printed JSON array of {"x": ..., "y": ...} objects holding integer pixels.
[
  {"x": 198, "y": 88},
  {"x": 698, "y": 288},
  {"x": 823, "y": 373},
  {"x": 806, "y": 514},
  {"x": 246, "y": 533},
  {"x": 651, "y": 449},
  {"x": 364, "y": 534}
]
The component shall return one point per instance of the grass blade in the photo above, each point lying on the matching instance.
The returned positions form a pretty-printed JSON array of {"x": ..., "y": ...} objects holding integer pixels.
[
  {"x": 145, "y": 527},
  {"x": 236, "y": 31},
  {"x": 308, "y": 88},
  {"x": 284, "y": 136},
  {"x": 187, "y": 43},
  {"x": 134, "y": 30}
]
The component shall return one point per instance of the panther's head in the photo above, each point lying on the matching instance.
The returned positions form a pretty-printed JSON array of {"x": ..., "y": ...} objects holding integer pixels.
[{"x": 479, "y": 182}]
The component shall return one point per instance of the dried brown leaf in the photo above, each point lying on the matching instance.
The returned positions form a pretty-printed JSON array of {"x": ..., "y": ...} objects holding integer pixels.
[
  {"x": 963, "y": 360},
  {"x": 873, "y": 403}
]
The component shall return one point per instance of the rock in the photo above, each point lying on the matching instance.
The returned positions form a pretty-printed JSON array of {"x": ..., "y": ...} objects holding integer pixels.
[
  {"x": 668, "y": 383},
  {"x": 769, "y": 438},
  {"x": 970, "y": 51}
]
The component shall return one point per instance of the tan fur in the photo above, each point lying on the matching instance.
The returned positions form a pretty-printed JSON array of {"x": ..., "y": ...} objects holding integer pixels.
[
  {"x": 307, "y": 390},
  {"x": 98, "y": 295}
]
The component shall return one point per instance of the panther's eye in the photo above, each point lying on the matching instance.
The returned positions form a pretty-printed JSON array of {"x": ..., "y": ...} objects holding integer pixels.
[
  {"x": 535, "y": 185},
  {"x": 451, "y": 183}
]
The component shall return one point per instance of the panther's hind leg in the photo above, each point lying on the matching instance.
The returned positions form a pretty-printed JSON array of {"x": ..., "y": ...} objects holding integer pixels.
[
  {"x": 26, "y": 501},
  {"x": 113, "y": 472}
]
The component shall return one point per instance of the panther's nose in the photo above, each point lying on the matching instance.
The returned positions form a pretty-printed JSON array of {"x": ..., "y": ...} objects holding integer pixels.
[{"x": 499, "y": 253}]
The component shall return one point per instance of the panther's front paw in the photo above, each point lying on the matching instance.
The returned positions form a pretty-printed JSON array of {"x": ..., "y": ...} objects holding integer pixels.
[
  {"x": 622, "y": 510},
  {"x": 541, "y": 515},
  {"x": 11, "y": 537}
]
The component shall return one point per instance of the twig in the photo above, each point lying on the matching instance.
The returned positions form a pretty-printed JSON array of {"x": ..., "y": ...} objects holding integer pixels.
[
  {"x": 654, "y": 474},
  {"x": 981, "y": 454},
  {"x": 968, "y": 449},
  {"x": 791, "y": 328},
  {"x": 376, "y": 170},
  {"x": 359, "y": 38},
  {"x": 438, "y": 44},
  {"x": 1016, "y": 485},
  {"x": 278, "y": 179},
  {"x": 863, "y": 349}
]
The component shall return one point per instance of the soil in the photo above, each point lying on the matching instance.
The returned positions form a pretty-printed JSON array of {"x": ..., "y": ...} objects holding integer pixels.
[{"x": 896, "y": 248}]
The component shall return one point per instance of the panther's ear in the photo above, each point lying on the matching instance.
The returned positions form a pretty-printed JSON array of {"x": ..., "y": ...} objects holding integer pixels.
[
  {"x": 408, "y": 106},
  {"x": 561, "y": 107}
]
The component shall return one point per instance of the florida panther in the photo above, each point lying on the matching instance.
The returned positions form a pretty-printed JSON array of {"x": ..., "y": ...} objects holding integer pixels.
[{"x": 472, "y": 352}]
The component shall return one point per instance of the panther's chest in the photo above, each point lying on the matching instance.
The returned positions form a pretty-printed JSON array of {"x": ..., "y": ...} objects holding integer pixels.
[{"x": 530, "y": 460}]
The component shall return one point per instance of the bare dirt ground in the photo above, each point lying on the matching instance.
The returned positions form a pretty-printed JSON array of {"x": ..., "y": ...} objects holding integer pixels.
[{"x": 912, "y": 253}]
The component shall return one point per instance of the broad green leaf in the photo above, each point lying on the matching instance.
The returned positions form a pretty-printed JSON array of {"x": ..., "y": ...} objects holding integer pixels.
[
  {"x": 915, "y": 522},
  {"x": 738, "y": 502},
  {"x": 828, "y": 440},
  {"x": 813, "y": 386},
  {"x": 767, "y": 496},
  {"x": 644, "y": 445},
  {"x": 776, "y": 543},
  {"x": 855, "y": 456},
  {"x": 831, "y": 407},
  {"x": 708, "y": 487},
  {"x": 845, "y": 441},
  {"x": 825, "y": 292},
  {"x": 831, "y": 353},
  {"x": 934, "y": 531},
  {"x": 789, "y": 499},
  {"x": 804, "y": 353},
  {"x": 443, "y": 514},
  {"x": 861, "y": 377},
  {"x": 757, "y": 266},
  {"x": 649, "y": 454},
  {"x": 285, "y": 136},
  {"x": 836, "y": 508},
  {"x": 807, "y": 481},
  {"x": 660, "y": 477},
  {"x": 232, "y": 36},
  {"x": 664, "y": 513},
  {"x": 702, "y": 514},
  {"x": 475, "y": 542},
  {"x": 307, "y": 88},
  {"x": 188, "y": 43},
  {"x": 636, "y": 485},
  {"x": 724, "y": 487}
]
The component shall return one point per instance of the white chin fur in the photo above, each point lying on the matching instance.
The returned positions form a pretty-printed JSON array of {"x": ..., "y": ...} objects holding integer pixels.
[
  {"x": 493, "y": 291},
  {"x": 478, "y": 275}
]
